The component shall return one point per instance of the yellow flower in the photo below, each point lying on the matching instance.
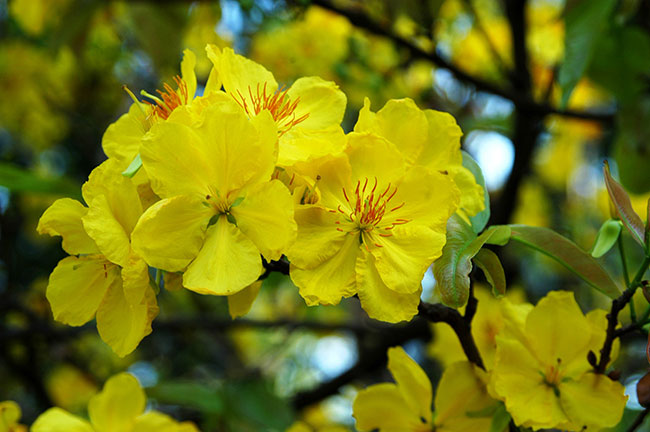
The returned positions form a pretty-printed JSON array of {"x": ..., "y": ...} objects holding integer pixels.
[
  {"x": 120, "y": 406},
  {"x": 406, "y": 405},
  {"x": 220, "y": 209},
  {"x": 427, "y": 138},
  {"x": 9, "y": 415},
  {"x": 105, "y": 278},
  {"x": 307, "y": 114},
  {"x": 376, "y": 229},
  {"x": 542, "y": 373}
]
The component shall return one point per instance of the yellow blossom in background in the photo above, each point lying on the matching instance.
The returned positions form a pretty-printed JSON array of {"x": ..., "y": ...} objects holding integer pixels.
[
  {"x": 9, "y": 415},
  {"x": 542, "y": 373},
  {"x": 103, "y": 278},
  {"x": 201, "y": 30},
  {"x": 35, "y": 97},
  {"x": 120, "y": 406},
  {"x": 406, "y": 404},
  {"x": 220, "y": 207},
  {"x": 307, "y": 114},
  {"x": 34, "y": 16},
  {"x": 533, "y": 205},
  {"x": 310, "y": 45},
  {"x": 375, "y": 230},
  {"x": 426, "y": 138},
  {"x": 70, "y": 388}
]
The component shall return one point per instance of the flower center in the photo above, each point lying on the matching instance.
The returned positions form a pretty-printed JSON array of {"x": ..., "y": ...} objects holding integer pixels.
[
  {"x": 367, "y": 207},
  {"x": 552, "y": 377},
  {"x": 278, "y": 103},
  {"x": 169, "y": 99}
]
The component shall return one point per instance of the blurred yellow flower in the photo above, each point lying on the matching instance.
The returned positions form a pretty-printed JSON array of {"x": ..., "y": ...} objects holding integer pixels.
[
  {"x": 120, "y": 406},
  {"x": 9, "y": 415}
]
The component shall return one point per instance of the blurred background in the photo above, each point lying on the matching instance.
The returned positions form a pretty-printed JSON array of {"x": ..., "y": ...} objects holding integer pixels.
[{"x": 544, "y": 91}]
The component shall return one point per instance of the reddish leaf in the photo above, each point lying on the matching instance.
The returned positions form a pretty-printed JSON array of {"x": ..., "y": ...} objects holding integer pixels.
[{"x": 623, "y": 206}]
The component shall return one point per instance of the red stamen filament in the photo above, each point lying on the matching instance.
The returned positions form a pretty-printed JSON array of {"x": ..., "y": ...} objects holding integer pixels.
[
  {"x": 278, "y": 103},
  {"x": 170, "y": 99}
]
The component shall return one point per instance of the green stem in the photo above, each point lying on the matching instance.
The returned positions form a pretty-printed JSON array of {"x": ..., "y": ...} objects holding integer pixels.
[{"x": 621, "y": 251}]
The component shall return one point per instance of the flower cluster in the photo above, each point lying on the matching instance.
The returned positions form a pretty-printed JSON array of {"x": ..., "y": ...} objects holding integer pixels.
[
  {"x": 538, "y": 374},
  {"x": 211, "y": 184}
]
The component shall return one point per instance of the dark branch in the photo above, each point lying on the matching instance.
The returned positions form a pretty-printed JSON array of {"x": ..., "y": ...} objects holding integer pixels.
[
  {"x": 612, "y": 321},
  {"x": 461, "y": 325}
]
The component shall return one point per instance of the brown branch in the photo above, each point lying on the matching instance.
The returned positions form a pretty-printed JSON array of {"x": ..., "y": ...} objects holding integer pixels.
[{"x": 612, "y": 321}]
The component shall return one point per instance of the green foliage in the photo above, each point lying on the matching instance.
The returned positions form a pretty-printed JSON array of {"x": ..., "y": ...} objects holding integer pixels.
[
  {"x": 452, "y": 269},
  {"x": 21, "y": 180},
  {"x": 623, "y": 207},
  {"x": 606, "y": 238},
  {"x": 584, "y": 23},
  {"x": 567, "y": 253},
  {"x": 489, "y": 263},
  {"x": 480, "y": 220}
]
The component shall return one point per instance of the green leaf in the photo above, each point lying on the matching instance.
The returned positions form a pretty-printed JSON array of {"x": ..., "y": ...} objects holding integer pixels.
[
  {"x": 480, "y": 220},
  {"x": 237, "y": 201},
  {"x": 500, "y": 420},
  {"x": 133, "y": 167},
  {"x": 18, "y": 179},
  {"x": 201, "y": 397},
  {"x": 489, "y": 263},
  {"x": 606, "y": 238},
  {"x": 568, "y": 254},
  {"x": 452, "y": 269},
  {"x": 584, "y": 23},
  {"x": 255, "y": 401},
  {"x": 623, "y": 207}
]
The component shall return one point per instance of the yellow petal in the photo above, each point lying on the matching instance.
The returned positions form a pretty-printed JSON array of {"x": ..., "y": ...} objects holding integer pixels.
[
  {"x": 266, "y": 217},
  {"x": 154, "y": 421},
  {"x": 58, "y": 420},
  {"x": 170, "y": 233},
  {"x": 442, "y": 149},
  {"x": 517, "y": 378},
  {"x": 328, "y": 282},
  {"x": 371, "y": 156},
  {"x": 176, "y": 161},
  {"x": 546, "y": 327},
  {"x": 187, "y": 71},
  {"x": 462, "y": 390},
  {"x": 240, "y": 303},
  {"x": 77, "y": 286},
  {"x": 227, "y": 263},
  {"x": 120, "y": 192},
  {"x": 403, "y": 257},
  {"x": 116, "y": 407},
  {"x": 242, "y": 151},
  {"x": 135, "y": 277},
  {"x": 318, "y": 239},
  {"x": 121, "y": 141},
  {"x": 335, "y": 175},
  {"x": 412, "y": 382},
  {"x": 122, "y": 325},
  {"x": 9, "y": 414},
  {"x": 593, "y": 400},
  {"x": 300, "y": 144},
  {"x": 379, "y": 301},
  {"x": 429, "y": 198},
  {"x": 104, "y": 228},
  {"x": 239, "y": 74},
  {"x": 381, "y": 406},
  {"x": 471, "y": 194},
  {"x": 400, "y": 122},
  {"x": 320, "y": 100},
  {"x": 63, "y": 218}
]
